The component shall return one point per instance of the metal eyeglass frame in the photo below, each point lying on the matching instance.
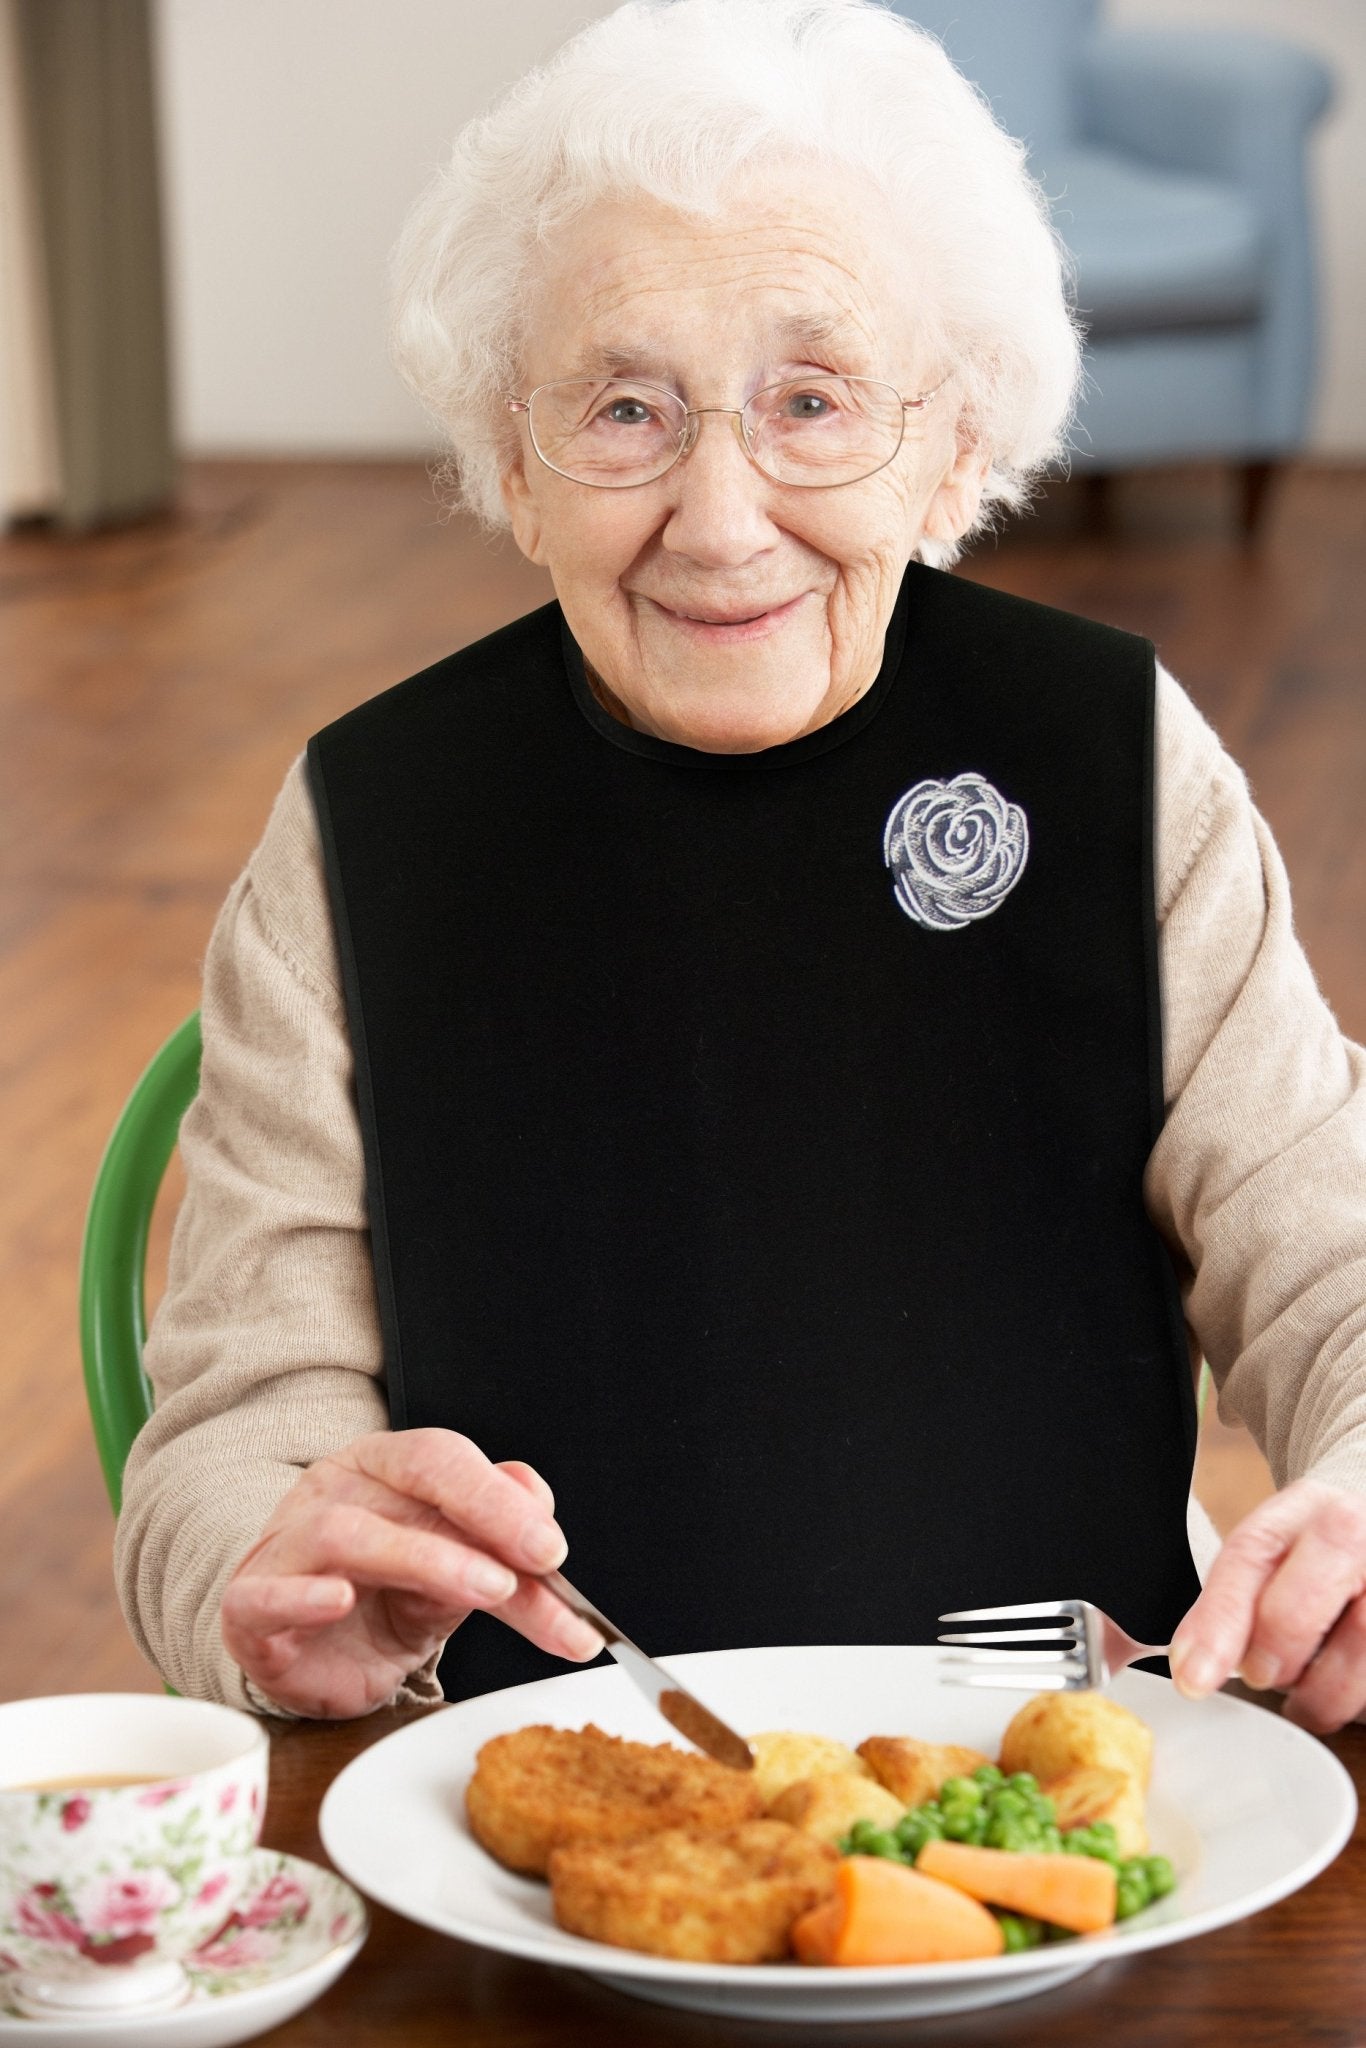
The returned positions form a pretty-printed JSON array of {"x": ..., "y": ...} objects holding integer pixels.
[{"x": 693, "y": 413}]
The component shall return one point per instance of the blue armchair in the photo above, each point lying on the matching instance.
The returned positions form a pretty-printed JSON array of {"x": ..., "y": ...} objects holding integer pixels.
[{"x": 1174, "y": 161}]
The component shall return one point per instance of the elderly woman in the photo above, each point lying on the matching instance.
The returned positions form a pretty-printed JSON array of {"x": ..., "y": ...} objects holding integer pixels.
[{"x": 796, "y": 1051}]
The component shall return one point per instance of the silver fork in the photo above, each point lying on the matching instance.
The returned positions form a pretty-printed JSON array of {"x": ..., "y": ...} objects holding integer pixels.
[{"x": 1097, "y": 1648}]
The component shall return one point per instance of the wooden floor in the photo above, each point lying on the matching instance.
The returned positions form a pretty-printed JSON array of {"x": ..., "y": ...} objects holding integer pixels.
[{"x": 155, "y": 684}]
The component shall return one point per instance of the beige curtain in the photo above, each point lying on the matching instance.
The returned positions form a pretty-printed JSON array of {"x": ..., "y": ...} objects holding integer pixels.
[
  {"x": 87, "y": 128},
  {"x": 30, "y": 467}
]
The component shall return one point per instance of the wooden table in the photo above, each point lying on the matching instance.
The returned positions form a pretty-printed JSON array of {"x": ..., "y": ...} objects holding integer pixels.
[{"x": 1291, "y": 1975}]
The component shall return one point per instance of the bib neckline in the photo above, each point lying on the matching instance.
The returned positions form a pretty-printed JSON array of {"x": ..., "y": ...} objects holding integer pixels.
[{"x": 789, "y": 753}]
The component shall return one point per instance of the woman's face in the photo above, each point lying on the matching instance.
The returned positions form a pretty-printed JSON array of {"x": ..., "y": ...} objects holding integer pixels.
[{"x": 707, "y": 310}]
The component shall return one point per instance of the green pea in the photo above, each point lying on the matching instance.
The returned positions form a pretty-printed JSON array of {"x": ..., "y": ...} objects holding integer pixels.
[
  {"x": 1161, "y": 1876},
  {"x": 861, "y": 1830},
  {"x": 1104, "y": 1831},
  {"x": 1005, "y": 1834},
  {"x": 914, "y": 1840},
  {"x": 1023, "y": 1781},
  {"x": 1131, "y": 1894},
  {"x": 959, "y": 1824},
  {"x": 1045, "y": 1807},
  {"x": 1091, "y": 1842},
  {"x": 989, "y": 1774},
  {"x": 959, "y": 1791},
  {"x": 878, "y": 1842},
  {"x": 1020, "y": 1931},
  {"x": 1013, "y": 1929}
]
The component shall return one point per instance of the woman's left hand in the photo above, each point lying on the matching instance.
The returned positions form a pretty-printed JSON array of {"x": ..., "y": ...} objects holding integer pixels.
[{"x": 1284, "y": 1605}]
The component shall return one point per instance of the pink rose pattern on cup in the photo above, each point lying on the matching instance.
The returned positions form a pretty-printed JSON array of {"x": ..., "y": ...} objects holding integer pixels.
[
  {"x": 159, "y": 1794},
  {"x": 85, "y": 1891}
]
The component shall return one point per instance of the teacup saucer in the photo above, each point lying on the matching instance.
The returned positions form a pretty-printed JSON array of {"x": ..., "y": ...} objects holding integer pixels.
[{"x": 293, "y": 1931}]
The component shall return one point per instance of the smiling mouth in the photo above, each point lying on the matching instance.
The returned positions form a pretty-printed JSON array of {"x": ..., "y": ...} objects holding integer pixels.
[
  {"x": 728, "y": 618},
  {"x": 739, "y": 619}
]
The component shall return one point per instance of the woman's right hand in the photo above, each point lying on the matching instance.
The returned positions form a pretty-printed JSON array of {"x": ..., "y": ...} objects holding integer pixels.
[{"x": 376, "y": 1554}]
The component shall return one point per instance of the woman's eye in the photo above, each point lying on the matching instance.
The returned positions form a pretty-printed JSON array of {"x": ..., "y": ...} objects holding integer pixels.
[
  {"x": 807, "y": 405},
  {"x": 627, "y": 412}
]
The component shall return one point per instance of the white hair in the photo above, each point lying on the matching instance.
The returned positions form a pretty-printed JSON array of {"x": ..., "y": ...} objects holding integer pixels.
[{"x": 670, "y": 98}]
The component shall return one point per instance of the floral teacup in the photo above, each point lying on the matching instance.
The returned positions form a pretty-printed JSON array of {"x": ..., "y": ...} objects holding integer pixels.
[{"x": 126, "y": 1822}]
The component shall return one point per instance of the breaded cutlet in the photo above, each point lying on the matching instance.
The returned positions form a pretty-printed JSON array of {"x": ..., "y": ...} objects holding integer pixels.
[
  {"x": 539, "y": 1787},
  {"x": 727, "y": 1897}
]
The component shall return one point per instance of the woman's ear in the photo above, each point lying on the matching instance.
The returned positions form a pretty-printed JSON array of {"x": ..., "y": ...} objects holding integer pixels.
[
  {"x": 958, "y": 494},
  {"x": 521, "y": 508}
]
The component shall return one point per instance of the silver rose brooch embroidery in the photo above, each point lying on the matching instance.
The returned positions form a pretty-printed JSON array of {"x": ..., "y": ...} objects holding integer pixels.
[{"x": 956, "y": 850}]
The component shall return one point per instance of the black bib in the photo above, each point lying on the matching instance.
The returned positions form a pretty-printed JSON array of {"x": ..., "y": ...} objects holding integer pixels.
[{"x": 754, "y": 1143}]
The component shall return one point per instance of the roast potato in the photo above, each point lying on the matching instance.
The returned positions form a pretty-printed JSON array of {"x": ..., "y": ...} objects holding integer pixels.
[
  {"x": 914, "y": 1771},
  {"x": 1092, "y": 1792},
  {"x": 1056, "y": 1732},
  {"x": 783, "y": 1757},
  {"x": 827, "y": 1806}
]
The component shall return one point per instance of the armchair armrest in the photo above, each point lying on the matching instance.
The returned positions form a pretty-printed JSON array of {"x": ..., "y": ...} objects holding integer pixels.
[{"x": 1219, "y": 102}]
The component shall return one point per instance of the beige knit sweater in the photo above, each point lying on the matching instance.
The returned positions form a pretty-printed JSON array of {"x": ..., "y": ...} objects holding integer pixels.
[{"x": 265, "y": 1353}]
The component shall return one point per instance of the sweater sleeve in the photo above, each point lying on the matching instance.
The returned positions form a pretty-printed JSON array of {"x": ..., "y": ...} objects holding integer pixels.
[
  {"x": 1258, "y": 1179},
  {"x": 265, "y": 1351}
]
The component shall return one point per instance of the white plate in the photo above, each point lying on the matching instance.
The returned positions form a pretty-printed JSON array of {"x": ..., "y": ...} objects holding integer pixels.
[{"x": 1247, "y": 1806}]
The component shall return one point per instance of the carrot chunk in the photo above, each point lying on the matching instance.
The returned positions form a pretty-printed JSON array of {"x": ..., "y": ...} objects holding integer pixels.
[
  {"x": 1077, "y": 1892},
  {"x": 884, "y": 1913}
]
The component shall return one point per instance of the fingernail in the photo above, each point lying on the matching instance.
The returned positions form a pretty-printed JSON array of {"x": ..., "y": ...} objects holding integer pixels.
[
  {"x": 491, "y": 1581},
  {"x": 1195, "y": 1673},
  {"x": 1260, "y": 1670},
  {"x": 543, "y": 1546}
]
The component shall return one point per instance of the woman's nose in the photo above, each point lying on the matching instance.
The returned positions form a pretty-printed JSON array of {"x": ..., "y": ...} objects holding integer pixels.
[{"x": 720, "y": 498}]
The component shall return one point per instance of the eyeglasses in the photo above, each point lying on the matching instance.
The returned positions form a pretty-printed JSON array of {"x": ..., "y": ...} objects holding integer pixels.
[{"x": 815, "y": 432}]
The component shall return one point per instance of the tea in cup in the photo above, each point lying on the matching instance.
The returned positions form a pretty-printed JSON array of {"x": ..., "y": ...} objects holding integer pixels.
[{"x": 126, "y": 1825}]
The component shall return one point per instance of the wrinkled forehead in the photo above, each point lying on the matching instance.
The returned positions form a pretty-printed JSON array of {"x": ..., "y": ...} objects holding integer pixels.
[{"x": 804, "y": 270}]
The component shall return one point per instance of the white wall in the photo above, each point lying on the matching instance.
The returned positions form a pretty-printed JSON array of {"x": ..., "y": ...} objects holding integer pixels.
[
  {"x": 295, "y": 135},
  {"x": 296, "y": 132}
]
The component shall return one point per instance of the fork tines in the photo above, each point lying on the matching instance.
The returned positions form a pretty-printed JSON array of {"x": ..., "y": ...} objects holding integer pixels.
[
  {"x": 1022, "y": 1612},
  {"x": 1025, "y": 1668}
]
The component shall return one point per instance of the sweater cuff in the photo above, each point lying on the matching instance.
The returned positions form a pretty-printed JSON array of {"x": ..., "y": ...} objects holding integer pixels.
[{"x": 420, "y": 1688}]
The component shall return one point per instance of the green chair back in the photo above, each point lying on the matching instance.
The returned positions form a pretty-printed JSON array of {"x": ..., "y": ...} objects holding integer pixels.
[{"x": 114, "y": 1250}]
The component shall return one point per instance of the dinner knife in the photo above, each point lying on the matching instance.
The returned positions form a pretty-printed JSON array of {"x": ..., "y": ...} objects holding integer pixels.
[{"x": 678, "y": 1706}]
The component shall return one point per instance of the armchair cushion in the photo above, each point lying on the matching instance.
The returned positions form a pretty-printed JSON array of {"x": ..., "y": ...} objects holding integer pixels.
[{"x": 1154, "y": 249}]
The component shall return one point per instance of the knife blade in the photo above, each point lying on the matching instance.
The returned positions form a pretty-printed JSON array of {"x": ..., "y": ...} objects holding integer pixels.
[{"x": 680, "y": 1708}]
